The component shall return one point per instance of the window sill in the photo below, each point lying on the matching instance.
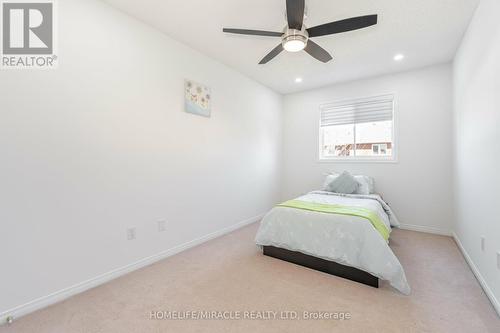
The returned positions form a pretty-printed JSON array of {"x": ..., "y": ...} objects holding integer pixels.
[{"x": 358, "y": 160}]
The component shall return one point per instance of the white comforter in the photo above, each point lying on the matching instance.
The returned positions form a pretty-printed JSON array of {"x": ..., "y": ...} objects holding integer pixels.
[{"x": 348, "y": 240}]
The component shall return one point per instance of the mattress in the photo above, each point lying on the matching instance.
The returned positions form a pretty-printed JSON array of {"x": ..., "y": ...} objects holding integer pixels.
[{"x": 345, "y": 239}]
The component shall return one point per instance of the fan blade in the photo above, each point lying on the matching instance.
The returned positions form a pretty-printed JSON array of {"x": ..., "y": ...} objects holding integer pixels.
[
  {"x": 349, "y": 24},
  {"x": 277, "y": 50},
  {"x": 253, "y": 32},
  {"x": 317, "y": 51},
  {"x": 295, "y": 13}
]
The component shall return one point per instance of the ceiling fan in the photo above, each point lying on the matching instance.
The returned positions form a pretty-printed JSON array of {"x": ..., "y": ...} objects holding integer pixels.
[{"x": 296, "y": 37}]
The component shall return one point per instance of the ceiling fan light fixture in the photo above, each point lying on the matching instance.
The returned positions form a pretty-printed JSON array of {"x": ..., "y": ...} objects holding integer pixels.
[
  {"x": 294, "y": 45},
  {"x": 294, "y": 40}
]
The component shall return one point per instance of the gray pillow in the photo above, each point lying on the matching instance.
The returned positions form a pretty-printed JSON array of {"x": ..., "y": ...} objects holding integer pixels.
[{"x": 344, "y": 183}]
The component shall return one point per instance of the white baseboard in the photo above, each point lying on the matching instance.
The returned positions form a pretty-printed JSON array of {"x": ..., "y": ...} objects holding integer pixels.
[
  {"x": 426, "y": 229},
  {"x": 478, "y": 275},
  {"x": 63, "y": 294}
]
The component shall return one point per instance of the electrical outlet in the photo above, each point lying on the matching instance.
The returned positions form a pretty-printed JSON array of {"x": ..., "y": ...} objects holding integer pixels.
[
  {"x": 130, "y": 233},
  {"x": 162, "y": 226},
  {"x": 483, "y": 243}
]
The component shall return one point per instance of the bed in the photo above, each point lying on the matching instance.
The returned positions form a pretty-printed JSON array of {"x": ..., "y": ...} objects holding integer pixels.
[{"x": 342, "y": 234}]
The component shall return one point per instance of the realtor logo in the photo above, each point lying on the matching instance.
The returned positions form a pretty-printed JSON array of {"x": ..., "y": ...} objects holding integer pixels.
[{"x": 28, "y": 34}]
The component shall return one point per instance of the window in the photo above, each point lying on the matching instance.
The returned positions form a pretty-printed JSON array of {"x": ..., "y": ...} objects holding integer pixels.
[{"x": 361, "y": 129}]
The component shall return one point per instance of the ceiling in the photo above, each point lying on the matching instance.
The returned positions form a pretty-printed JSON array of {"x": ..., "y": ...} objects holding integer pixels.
[{"x": 426, "y": 31}]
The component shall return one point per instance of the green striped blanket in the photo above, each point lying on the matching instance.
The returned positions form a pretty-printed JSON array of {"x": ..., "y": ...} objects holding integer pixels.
[{"x": 368, "y": 214}]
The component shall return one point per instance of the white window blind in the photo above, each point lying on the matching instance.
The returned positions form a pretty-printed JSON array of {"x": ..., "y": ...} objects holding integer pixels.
[{"x": 365, "y": 110}]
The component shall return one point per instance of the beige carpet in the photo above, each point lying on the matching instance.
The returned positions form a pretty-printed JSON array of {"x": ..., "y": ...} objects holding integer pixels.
[{"x": 230, "y": 274}]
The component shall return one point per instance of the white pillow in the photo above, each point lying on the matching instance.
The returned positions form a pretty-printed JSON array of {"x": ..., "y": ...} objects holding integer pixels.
[
  {"x": 329, "y": 178},
  {"x": 371, "y": 183},
  {"x": 366, "y": 183}
]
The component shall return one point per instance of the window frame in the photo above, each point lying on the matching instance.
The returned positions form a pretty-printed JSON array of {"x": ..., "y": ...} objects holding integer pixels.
[{"x": 360, "y": 159}]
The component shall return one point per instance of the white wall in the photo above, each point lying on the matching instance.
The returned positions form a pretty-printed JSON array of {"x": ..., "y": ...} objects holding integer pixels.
[
  {"x": 477, "y": 144},
  {"x": 102, "y": 144},
  {"x": 418, "y": 187}
]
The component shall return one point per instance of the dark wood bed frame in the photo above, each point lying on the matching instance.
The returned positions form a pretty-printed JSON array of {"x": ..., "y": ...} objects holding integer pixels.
[{"x": 322, "y": 265}]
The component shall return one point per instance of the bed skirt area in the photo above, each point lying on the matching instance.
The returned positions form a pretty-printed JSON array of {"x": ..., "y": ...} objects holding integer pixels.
[{"x": 322, "y": 265}]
